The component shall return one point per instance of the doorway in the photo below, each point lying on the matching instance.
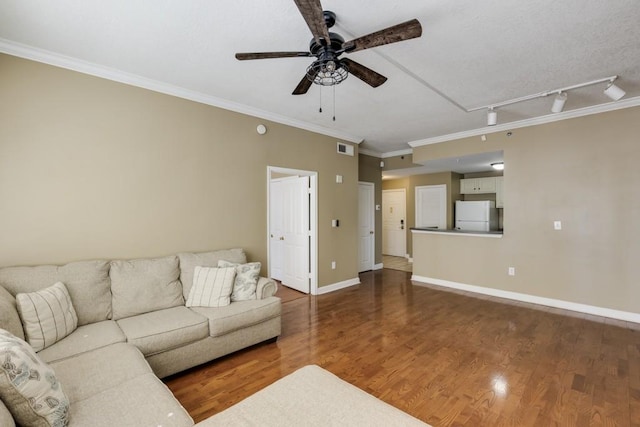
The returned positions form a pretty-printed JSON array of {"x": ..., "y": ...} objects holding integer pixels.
[
  {"x": 394, "y": 234},
  {"x": 431, "y": 206},
  {"x": 292, "y": 228},
  {"x": 366, "y": 226}
]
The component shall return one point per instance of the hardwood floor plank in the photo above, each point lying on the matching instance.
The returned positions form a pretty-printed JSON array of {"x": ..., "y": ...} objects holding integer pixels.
[{"x": 448, "y": 358}]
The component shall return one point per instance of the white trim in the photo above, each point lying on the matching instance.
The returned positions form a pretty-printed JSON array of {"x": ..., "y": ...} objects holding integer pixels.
[
  {"x": 493, "y": 235},
  {"x": 550, "y": 302},
  {"x": 410, "y": 260},
  {"x": 378, "y": 266},
  {"x": 370, "y": 153},
  {"x": 404, "y": 152},
  {"x": 595, "y": 109},
  {"x": 85, "y": 67},
  {"x": 337, "y": 286}
]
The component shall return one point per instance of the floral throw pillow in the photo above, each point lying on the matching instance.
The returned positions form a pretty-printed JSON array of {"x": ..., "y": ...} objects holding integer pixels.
[
  {"x": 246, "y": 282},
  {"x": 29, "y": 387}
]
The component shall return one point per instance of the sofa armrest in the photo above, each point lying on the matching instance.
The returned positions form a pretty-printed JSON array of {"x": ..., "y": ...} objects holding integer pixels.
[{"x": 266, "y": 288}]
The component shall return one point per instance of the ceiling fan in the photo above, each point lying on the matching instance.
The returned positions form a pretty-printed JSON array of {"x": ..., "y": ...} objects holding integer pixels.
[{"x": 329, "y": 69}]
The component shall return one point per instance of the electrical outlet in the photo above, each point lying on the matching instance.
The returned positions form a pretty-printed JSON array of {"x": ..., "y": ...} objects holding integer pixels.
[
  {"x": 512, "y": 271},
  {"x": 333, "y": 265},
  {"x": 557, "y": 225}
]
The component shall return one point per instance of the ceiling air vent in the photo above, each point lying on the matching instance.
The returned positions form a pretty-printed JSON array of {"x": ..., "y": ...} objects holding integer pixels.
[{"x": 345, "y": 149}]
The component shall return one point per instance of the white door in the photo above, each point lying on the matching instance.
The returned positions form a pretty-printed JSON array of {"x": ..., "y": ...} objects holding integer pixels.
[
  {"x": 276, "y": 229},
  {"x": 394, "y": 235},
  {"x": 431, "y": 206},
  {"x": 366, "y": 226},
  {"x": 295, "y": 233}
]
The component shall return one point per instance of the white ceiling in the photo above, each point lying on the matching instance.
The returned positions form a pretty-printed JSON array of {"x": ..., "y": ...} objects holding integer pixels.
[{"x": 471, "y": 53}]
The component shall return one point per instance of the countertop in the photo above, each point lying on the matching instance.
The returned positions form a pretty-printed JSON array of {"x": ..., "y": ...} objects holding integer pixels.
[{"x": 428, "y": 230}]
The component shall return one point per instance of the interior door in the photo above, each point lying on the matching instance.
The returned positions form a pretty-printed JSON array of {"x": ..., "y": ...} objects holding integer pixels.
[
  {"x": 295, "y": 233},
  {"x": 431, "y": 206},
  {"x": 366, "y": 226},
  {"x": 394, "y": 237},
  {"x": 276, "y": 233}
]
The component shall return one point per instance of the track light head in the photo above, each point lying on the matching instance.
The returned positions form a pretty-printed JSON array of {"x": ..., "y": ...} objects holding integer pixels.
[
  {"x": 614, "y": 92},
  {"x": 492, "y": 117},
  {"x": 558, "y": 102}
]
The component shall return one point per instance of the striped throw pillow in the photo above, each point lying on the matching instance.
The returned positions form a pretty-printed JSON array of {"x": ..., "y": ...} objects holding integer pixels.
[
  {"x": 211, "y": 287},
  {"x": 47, "y": 315}
]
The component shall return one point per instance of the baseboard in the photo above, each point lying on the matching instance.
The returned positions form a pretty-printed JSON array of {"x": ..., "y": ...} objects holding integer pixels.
[
  {"x": 410, "y": 260},
  {"x": 550, "y": 302},
  {"x": 378, "y": 266},
  {"x": 337, "y": 286}
]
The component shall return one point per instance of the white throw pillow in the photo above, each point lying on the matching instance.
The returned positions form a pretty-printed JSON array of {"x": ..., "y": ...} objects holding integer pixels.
[
  {"x": 47, "y": 315},
  {"x": 246, "y": 282},
  {"x": 29, "y": 387},
  {"x": 211, "y": 287}
]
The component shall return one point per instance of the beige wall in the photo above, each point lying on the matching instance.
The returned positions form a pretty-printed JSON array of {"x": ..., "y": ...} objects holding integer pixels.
[
  {"x": 369, "y": 171},
  {"x": 582, "y": 171},
  {"x": 90, "y": 168}
]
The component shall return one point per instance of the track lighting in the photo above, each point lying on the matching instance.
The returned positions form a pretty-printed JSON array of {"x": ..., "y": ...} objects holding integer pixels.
[
  {"x": 614, "y": 92},
  {"x": 558, "y": 102},
  {"x": 492, "y": 117}
]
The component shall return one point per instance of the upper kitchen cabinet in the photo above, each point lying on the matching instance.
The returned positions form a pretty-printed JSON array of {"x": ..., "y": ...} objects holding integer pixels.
[{"x": 478, "y": 185}]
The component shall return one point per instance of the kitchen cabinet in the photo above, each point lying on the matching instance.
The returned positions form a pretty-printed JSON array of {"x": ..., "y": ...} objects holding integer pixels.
[
  {"x": 499, "y": 197},
  {"x": 478, "y": 185}
]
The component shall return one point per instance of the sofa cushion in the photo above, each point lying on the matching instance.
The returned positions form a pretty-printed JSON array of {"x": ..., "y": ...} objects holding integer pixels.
[
  {"x": 212, "y": 287},
  {"x": 28, "y": 386},
  {"x": 246, "y": 281},
  {"x": 47, "y": 315},
  {"x": 240, "y": 314},
  {"x": 144, "y": 285},
  {"x": 87, "y": 282},
  {"x": 142, "y": 401},
  {"x": 189, "y": 261},
  {"x": 84, "y": 339},
  {"x": 93, "y": 372},
  {"x": 164, "y": 330},
  {"x": 9, "y": 317},
  {"x": 6, "y": 419}
]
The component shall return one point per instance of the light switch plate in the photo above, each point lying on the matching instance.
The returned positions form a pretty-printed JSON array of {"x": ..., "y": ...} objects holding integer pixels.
[{"x": 557, "y": 225}]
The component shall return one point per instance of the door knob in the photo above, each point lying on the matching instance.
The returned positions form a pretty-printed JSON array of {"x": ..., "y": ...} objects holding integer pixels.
[
  {"x": 371, "y": 232},
  {"x": 281, "y": 238},
  {"x": 272, "y": 236}
]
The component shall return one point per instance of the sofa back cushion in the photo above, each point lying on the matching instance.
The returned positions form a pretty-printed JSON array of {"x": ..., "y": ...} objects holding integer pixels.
[
  {"x": 189, "y": 261},
  {"x": 9, "y": 317},
  {"x": 87, "y": 282},
  {"x": 144, "y": 285}
]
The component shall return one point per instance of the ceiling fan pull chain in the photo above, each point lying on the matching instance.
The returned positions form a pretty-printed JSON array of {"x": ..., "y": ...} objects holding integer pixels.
[
  {"x": 320, "y": 99},
  {"x": 334, "y": 103}
]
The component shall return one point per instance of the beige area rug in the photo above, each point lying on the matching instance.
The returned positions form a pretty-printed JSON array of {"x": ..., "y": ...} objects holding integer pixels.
[{"x": 312, "y": 396}]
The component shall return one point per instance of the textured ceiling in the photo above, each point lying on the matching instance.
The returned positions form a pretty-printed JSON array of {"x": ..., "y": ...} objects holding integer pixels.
[{"x": 470, "y": 54}]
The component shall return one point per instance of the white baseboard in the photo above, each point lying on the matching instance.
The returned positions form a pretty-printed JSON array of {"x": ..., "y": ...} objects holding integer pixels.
[
  {"x": 337, "y": 286},
  {"x": 410, "y": 260},
  {"x": 550, "y": 302},
  {"x": 378, "y": 266}
]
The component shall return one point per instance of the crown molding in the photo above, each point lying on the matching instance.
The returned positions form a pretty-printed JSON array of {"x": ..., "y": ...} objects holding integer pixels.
[
  {"x": 370, "y": 153},
  {"x": 550, "y": 118},
  {"x": 404, "y": 152},
  {"x": 47, "y": 57}
]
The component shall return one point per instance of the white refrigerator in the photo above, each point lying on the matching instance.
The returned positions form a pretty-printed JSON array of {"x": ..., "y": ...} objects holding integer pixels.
[{"x": 476, "y": 216}]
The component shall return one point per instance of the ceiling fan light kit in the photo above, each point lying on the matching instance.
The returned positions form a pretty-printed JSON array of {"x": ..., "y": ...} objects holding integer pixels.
[{"x": 329, "y": 69}]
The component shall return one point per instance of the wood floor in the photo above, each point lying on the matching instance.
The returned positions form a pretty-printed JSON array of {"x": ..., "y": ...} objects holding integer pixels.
[{"x": 447, "y": 358}]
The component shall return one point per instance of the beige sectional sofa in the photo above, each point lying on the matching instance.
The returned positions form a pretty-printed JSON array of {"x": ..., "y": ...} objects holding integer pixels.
[{"x": 133, "y": 328}]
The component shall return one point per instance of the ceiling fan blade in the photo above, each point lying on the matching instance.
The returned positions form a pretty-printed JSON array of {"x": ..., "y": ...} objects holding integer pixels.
[
  {"x": 397, "y": 33},
  {"x": 304, "y": 85},
  {"x": 270, "y": 55},
  {"x": 311, "y": 11},
  {"x": 365, "y": 74}
]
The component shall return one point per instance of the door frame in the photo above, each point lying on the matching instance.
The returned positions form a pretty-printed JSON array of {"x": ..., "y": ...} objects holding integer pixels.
[
  {"x": 372, "y": 219},
  {"x": 313, "y": 220},
  {"x": 404, "y": 235}
]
